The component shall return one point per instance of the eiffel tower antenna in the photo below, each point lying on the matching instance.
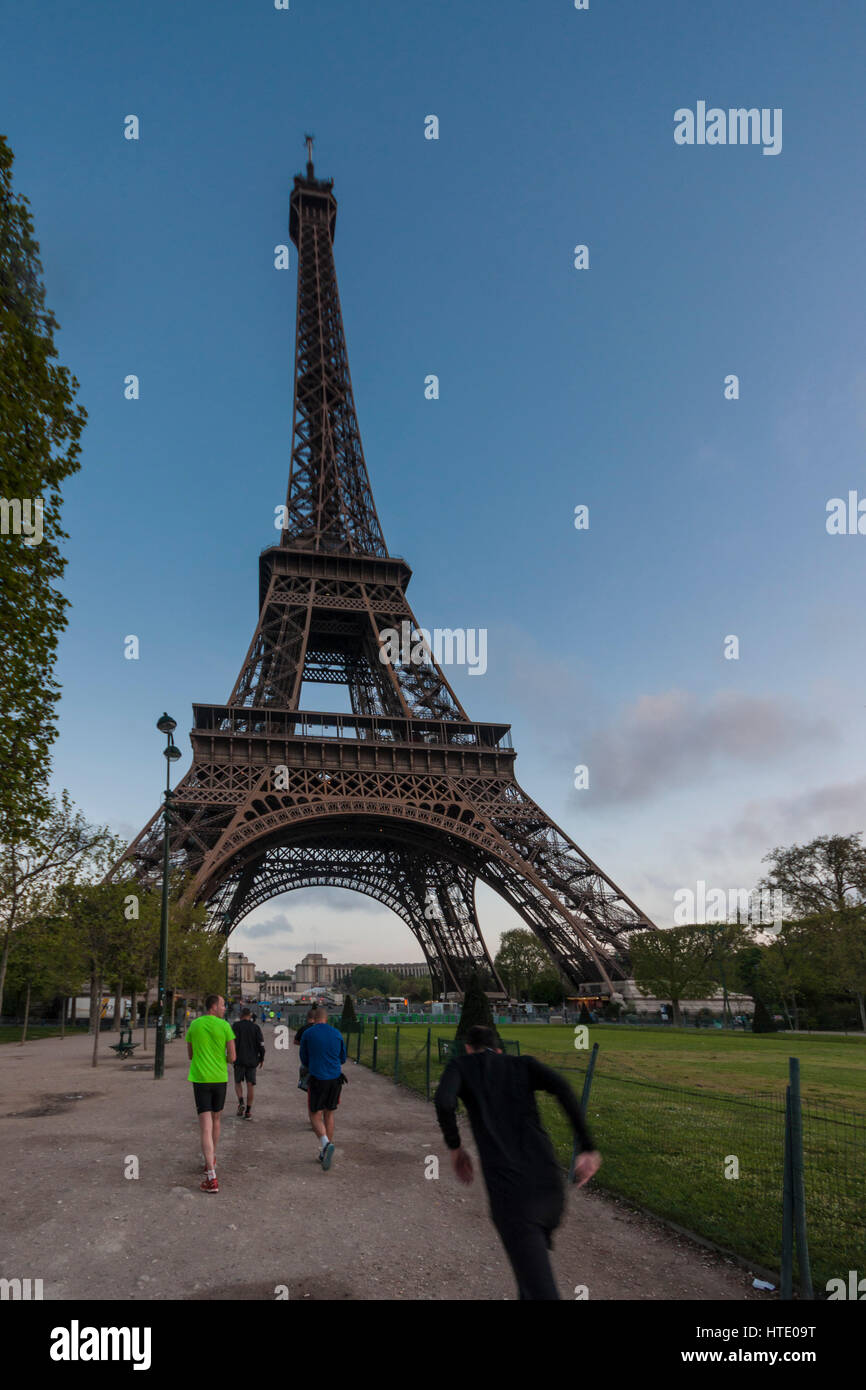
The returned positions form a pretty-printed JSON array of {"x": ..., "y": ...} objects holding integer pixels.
[{"x": 406, "y": 799}]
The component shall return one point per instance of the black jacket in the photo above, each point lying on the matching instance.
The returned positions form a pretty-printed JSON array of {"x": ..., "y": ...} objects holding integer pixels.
[
  {"x": 499, "y": 1094},
  {"x": 250, "y": 1042}
]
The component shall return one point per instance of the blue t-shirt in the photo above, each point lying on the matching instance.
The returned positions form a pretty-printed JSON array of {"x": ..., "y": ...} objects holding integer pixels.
[{"x": 323, "y": 1051}]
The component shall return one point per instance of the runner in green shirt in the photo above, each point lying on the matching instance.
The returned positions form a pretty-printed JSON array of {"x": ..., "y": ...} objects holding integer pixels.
[{"x": 210, "y": 1043}]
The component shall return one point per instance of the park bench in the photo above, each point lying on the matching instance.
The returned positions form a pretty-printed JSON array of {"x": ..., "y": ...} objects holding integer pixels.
[{"x": 126, "y": 1046}]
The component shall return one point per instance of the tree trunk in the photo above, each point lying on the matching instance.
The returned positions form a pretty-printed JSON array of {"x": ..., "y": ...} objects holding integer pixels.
[
  {"x": 675, "y": 1004},
  {"x": 133, "y": 1010},
  {"x": 118, "y": 1004},
  {"x": 62, "y": 1017},
  {"x": 4, "y": 960},
  {"x": 94, "y": 1004},
  {"x": 26, "y": 1017},
  {"x": 862, "y": 1011},
  {"x": 95, "y": 1059},
  {"x": 796, "y": 1013}
]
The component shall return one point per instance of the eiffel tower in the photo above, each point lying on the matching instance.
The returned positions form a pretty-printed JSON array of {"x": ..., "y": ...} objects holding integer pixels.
[{"x": 406, "y": 799}]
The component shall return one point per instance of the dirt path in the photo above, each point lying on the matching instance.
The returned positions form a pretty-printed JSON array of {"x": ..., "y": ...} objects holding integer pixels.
[{"x": 372, "y": 1228}]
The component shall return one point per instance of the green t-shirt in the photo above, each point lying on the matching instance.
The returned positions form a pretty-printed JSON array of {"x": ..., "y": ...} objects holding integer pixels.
[{"x": 209, "y": 1036}]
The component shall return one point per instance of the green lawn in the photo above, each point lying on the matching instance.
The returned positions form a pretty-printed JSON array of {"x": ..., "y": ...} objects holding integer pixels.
[
  {"x": 11, "y": 1033},
  {"x": 670, "y": 1109}
]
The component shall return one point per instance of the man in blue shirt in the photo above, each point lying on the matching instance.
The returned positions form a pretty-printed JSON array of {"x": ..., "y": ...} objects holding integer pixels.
[{"x": 323, "y": 1052}]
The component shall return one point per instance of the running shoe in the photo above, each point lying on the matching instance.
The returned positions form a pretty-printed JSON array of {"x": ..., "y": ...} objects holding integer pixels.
[
  {"x": 240, "y": 1107},
  {"x": 210, "y": 1185},
  {"x": 327, "y": 1157},
  {"x": 249, "y": 1114}
]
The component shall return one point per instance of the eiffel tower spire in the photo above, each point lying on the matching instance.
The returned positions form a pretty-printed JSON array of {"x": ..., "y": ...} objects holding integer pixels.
[{"x": 330, "y": 505}]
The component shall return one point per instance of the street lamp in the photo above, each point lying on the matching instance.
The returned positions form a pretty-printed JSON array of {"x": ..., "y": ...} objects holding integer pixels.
[{"x": 165, "y": 725}]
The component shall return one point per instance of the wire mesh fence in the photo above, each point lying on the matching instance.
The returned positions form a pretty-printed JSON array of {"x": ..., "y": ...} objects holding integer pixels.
[{"x": 711, "y": 1161}]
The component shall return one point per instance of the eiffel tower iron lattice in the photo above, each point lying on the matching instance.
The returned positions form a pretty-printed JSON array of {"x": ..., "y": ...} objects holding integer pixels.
[{"x": 406, "y": 798}]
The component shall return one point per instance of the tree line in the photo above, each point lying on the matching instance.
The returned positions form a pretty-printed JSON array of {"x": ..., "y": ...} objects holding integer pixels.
[{"x": 61, "y": 926}]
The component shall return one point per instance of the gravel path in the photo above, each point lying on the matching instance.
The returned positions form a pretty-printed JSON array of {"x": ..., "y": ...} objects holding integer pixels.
[{"x": 372, "y": 1228}]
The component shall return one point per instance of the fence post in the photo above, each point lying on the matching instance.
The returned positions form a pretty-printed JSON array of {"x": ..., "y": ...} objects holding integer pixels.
[
  {"x": 429, "y": 1032},
  {"x": 396, "y": 1054},
  {"x": 375, "y": 1040},
  {"x": 584, "y": 1100},
  {"x": 787, "y": 1208},
  {"x": 798, "y": 1184}
]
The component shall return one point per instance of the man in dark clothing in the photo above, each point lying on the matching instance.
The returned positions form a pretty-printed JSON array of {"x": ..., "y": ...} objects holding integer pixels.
[
  {"x": 304, "y": 1073},
  {"x": 324, "y": 1052},
  {"x": 524, "y": 1181},
  {"x": 250, "y": 1055}
]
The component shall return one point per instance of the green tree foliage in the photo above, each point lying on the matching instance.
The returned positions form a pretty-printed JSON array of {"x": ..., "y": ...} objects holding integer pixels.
[
  {"x": 476, "y": 1008},
  {"x": 521, "y": 960},
  {"x": 846, "y": 943},
  {"x": 675, "y": 964},
  {"x": 349, "y": 1018},
  {"x": 64, "y": 848},
  {"x": 827, "y": 874},
  {"x": 40, "y": 425},
  {"x": 549, "y": 988},
  {"x": 373, "y": 977},
  {"x": 762, "y": 1020}
]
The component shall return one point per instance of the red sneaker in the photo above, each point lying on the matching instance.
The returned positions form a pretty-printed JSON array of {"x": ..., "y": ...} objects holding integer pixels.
[{"x": 210, "y": 1185}]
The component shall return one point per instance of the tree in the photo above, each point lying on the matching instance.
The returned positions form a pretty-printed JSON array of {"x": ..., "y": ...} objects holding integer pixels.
[
  {"x": 349, "y": 1018},
  {"x": 63, "y": 848},
  {"x": 520, "y": 960},
  {"x": 476, "y": 1008},
  {"x": 828, "y": 873},
  {"x": 674, "y": 964},
  {"x": 40, "y": 425},
  {"x": 795, "y": 964},
  {"x": 96, "y": 913},
  {"x": 762, "y": 1020},
  {"x": 549, "y": 988}
]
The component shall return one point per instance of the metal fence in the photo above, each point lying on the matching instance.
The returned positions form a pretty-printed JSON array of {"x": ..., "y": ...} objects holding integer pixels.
[{"x": 712, "y": 1162}]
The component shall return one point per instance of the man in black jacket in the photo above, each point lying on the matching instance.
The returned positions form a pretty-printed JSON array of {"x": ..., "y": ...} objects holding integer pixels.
[
  {"x": 524, "y": 1180},
  {"x": 250, "y": 1056}
]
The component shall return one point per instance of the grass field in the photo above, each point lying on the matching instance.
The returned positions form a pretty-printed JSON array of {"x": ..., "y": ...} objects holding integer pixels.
[
  {"x": 11, "y": 1033},
  {"x": 670, "y": 1109}
]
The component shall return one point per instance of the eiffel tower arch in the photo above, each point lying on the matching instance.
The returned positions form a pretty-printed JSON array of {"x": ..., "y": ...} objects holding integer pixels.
[{"x": 406, "y": 798}]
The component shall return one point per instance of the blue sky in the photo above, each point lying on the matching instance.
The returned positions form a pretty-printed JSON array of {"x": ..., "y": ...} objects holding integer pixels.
[{"x": 557, "y": 387}]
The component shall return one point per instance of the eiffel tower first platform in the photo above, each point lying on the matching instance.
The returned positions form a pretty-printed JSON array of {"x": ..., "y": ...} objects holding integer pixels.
[{"x": 407, "y": 798}]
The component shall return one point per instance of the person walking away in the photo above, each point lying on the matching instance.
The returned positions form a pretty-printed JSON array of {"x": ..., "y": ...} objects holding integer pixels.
[
  {"x": 303, "y": 1073},
  {"x": 210, "y": 1043},
  {"x": 523, "y": 1178},
  {"x": 324, "y": 1052},
  {"x": 250, "y": 1046}
]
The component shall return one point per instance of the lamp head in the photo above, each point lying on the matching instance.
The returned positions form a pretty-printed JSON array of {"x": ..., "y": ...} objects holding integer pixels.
[{"x": 166, "y": 724}]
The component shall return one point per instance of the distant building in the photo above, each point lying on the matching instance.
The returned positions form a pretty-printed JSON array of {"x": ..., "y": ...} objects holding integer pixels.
[
  {"x": 241, "y": 977},
  {"x": 314, "y": 969},
  {"x": 648, "y": 1005},
  {"x": 277, "y": 987}
]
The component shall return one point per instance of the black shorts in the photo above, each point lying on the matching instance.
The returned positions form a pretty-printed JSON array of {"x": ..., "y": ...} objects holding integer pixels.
[
  {"x": 324, "y": 1095},
  {"x": 209, "y": 1095},
  {"x": 245, "y": 1072}
]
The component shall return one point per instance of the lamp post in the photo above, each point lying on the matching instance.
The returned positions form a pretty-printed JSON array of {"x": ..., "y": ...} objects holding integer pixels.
[{"x": 165, "y": 725}]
